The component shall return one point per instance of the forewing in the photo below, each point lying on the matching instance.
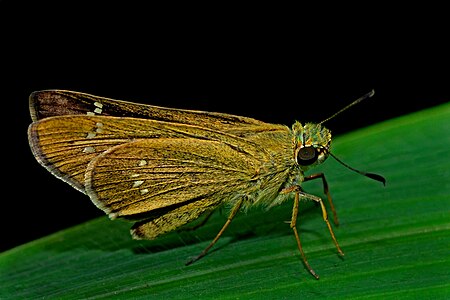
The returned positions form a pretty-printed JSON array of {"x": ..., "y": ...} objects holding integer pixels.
[
  {"x": 149, "y": 178},
  {"x": 50, "y": 103}
]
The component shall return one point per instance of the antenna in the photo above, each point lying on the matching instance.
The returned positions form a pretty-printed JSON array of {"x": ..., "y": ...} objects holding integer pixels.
[
  {"x": 368, "y": 95},
  {"x": 369, "y": 175}
]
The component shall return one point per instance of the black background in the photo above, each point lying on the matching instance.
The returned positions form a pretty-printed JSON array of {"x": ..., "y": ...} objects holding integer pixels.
[{"x": 276, "y": 64}]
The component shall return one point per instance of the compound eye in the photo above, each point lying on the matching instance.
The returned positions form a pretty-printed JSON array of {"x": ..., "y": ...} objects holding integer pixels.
[{"x": 306, "y": 156}]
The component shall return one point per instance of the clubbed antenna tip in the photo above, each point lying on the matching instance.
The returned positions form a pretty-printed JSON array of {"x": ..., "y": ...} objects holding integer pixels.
[{"x": 369, "y": 175}]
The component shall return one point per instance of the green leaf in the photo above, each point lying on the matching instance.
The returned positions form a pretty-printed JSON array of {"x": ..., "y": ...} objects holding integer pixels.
[{"x": 396, "y": 238}]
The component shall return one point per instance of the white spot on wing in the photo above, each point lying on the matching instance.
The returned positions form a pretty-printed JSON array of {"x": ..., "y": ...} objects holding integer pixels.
[
  {"x": 98, "y": 110},
  {"x": 144, "y": 191},
  {"x": 138, "y": 183},
  {"x": 98, "y": 104},
  {"x": 142, "y": 162},
  {"x": 90, "y": 113},
  {"x": 91, "y": 135},
  {"x": 99, "y": 128},
  {"x": 89, "y": 149}
]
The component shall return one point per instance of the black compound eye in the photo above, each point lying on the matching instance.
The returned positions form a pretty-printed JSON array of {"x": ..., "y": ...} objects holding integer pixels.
[{"x": 307, "y": 156}]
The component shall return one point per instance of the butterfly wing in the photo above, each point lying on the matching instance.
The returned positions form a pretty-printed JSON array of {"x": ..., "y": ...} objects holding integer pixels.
[
  {"x": 170, "y": 181},
  {"x": 50, "y": 103},
  {"x": 163, "y": 167}
]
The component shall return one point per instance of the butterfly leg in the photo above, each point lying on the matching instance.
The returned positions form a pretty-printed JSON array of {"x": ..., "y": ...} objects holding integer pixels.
[
  {"x": 327, "y": 192},
  {"x": 298, "y": 191},
  {"x": 233, "y": 213},
  {"x": 297, "y": 237},
  {"x": 324, "y": 215}
]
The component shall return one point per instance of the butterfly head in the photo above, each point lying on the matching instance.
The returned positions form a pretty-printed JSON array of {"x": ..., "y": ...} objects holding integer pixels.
[{"x": 311, "y": 144}]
